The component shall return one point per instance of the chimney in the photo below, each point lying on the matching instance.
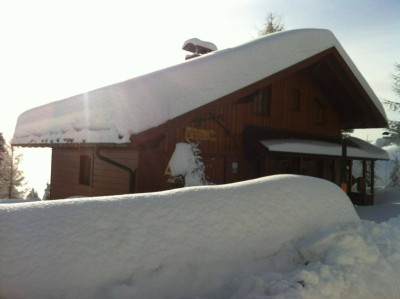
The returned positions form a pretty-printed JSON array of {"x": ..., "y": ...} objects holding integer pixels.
[{"x": 197, "y": 47}]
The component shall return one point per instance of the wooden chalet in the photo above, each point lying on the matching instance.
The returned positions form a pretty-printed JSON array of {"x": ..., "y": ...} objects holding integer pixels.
[{"x": 275, "y": 105}]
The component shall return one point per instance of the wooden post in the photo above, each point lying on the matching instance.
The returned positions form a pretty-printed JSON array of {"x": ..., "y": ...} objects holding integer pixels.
[
  {"x": 363, "y": 187},
  {"x": 372, "y": 179},
  {"x": 343, "y": 181},
  {"x": 350, "y": 174}
]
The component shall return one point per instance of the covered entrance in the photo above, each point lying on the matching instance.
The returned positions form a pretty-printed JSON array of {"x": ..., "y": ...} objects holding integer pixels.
[{"x": 325, "y": 160}]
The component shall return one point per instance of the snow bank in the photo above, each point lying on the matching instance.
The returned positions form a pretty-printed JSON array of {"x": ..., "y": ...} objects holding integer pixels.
[
  {"x": 386, "y": 205},
  {"x": 171, "y": 244},
  {"x": 2, "y": 201},
  {"x": 356, "y": 260}
]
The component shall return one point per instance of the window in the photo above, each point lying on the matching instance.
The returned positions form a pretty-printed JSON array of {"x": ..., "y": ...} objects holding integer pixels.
[
  {"x": 262, "y": 101},
  {"x": 85, "y": 170},
  {"x": 319, "y": 112},
  {"x": 295, "y": 99}
]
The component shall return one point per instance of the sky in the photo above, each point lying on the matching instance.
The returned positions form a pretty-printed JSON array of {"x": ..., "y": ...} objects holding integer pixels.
[{"x": 51, "y": 50}]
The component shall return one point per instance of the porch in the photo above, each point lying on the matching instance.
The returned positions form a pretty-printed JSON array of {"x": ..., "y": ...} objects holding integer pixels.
[{"x": 354, "y": 172}]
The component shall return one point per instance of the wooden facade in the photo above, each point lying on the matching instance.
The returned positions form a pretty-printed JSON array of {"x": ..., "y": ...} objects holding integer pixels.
[
  {"x": 296, "y": 103},
  {"x": 236, "y": 104},
  {"x": 97, "y": 178}
]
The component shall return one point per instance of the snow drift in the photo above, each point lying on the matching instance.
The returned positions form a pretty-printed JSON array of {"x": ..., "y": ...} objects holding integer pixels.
[
  {"x": 359, "y": 260},
  {"x": 170, "y": 244}
]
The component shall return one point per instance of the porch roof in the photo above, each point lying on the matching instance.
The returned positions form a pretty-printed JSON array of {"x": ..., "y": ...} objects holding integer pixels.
[{"x": 356, "y": 148}]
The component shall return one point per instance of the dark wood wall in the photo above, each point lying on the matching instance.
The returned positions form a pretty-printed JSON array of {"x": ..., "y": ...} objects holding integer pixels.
[{"x": 228, "y": 118}]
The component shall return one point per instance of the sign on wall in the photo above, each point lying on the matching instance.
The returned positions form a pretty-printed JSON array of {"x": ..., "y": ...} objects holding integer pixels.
[{"x": 200, "y": 134}]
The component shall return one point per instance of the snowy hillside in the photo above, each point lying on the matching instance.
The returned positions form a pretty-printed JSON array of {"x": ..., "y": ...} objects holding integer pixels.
[{"x": 283, "y": 237}]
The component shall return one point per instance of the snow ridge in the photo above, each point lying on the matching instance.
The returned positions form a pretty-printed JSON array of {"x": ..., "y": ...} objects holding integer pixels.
[{"x": 171, "y": 244}]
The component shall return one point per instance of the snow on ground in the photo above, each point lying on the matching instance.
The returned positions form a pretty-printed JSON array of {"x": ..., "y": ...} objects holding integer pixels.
[
  {"x": 386, "y": 205},
  {"x": 277, "y": 237},
  {"x": 387, "y": 198},
  {"x": 383, "y": 168}
]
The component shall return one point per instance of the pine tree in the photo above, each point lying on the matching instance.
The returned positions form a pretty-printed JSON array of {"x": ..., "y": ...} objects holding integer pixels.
[
  {"x": 394, "y": 125},
  {"x": 272, "y": 24},
  {"x": 196, "y": 176},
  {"x": 46, "y": 194},
  {"x": 32, "y": 195},
  {"x": 396, "y": 80},
  {"x": 186, "y": 167},
  {"x": 11, "y": 178},
  {"x": 2, "y": 144},
  {"x": 395, "y": 173},
  {"x": 4, "y": 174}
]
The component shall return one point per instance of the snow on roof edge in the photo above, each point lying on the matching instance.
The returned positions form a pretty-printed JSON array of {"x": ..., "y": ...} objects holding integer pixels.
[
  {"x": 364, "y": 83},
  {"x": 356, "y": 148},
  {"x": 113, "y": 113}
]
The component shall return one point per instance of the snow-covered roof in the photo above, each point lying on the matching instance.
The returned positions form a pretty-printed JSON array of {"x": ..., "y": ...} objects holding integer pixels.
[
  {"x": 356, "y": 148},
  {"x": 113, "y": 113}
]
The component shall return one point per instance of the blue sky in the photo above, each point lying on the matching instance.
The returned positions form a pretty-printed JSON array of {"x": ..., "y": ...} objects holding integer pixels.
[{"x": 55, "y": 49}]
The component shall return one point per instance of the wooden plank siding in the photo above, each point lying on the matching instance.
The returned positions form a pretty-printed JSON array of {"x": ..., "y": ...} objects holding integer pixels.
[
  {"x": 152, "y": 166},
  {"x": 228, "y": 119},
  {"x": 312, "y": 99},
  {"x": 106, "y": 178}
]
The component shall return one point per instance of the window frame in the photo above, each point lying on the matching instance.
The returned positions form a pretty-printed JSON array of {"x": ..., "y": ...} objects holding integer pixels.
[
  {"x": 85, "y": 170},
  {"x": 295, "y": 99},
  {"x": 318, "y": 112},
  {"x": 261, "y": 100}
]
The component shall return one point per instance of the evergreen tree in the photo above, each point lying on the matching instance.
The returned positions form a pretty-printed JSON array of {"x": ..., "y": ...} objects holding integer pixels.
[
  {"x": 2, "y": 144},
  {"x": 272, "y": 24},
  {"x": 11, "y": 178},
  {"x": 395, "y": 173},
  {"x": 186, "y": 167},
  {"x": 396, "y": 80},
  {"x": 3, "y": 153},
  {"x": 46, "y": 194},
  {"x": 196, "y": 175},
  {"x": 394, "y": 126},
  {"x": 32, "y": 195}
]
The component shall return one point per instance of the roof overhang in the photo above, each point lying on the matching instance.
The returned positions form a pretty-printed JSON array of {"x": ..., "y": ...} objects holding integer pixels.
[
  {"x": 347, "y": 92},
  {"x": 356, "y": 148}
]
